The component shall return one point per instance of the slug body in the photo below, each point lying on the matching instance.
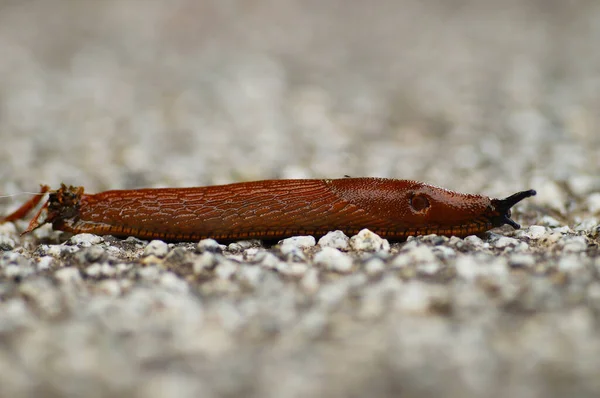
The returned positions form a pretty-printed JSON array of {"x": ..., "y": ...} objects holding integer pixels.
[{"x": 274, "y": 209}]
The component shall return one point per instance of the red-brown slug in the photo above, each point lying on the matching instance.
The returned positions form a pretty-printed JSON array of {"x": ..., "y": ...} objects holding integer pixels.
[{"x": 273, "y": 209}]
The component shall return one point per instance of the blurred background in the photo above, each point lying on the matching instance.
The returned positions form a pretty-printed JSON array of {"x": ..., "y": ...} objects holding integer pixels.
[{"x": 472, "y": 95}]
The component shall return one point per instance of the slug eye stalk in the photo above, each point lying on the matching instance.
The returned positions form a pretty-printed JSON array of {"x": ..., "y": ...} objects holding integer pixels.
[{"x": 501, "y": 208}]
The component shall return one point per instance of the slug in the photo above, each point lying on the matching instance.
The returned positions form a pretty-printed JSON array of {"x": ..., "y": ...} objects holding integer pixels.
[{"x": 273, "y": 209}]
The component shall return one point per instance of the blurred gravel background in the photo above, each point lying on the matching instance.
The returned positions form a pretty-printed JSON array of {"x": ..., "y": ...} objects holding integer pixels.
[{"x": 479, "y": 96}]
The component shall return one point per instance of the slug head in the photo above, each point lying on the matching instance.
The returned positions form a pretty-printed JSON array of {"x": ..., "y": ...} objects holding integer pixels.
[
  {"x": 448, "y": 208},
  {"x": 500, "y": 212}
]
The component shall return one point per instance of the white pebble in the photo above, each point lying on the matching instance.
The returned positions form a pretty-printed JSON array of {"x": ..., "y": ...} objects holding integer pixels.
[
  {"x": 521, "y": 260},
  {"x": 156, "y": 248},
  {"x": 553, "y": 237},
  {"x": 593, "y": 203},
  {"x": 226, "y": 269},
  {"x": 17, "y": 271},
  {"x": 414, "y": 298},
  {"x": 470, "y": 268},
  {"x": 8, "y": 228},
  {"x": 251, "y": 275},
  {"x": 310, "y": 281},
  {"x": 444, "y": 252},
  {"x": 210, "y": 245},
  {"x": 302, "y": 242},
  {"x": 367, "y": 241},
  {"x": 335, "y": 239},
  {"x": 242, "y": 245},
  {"x": 474, "y": 240},
  {"x": 85, "y": 240},
  {"x": 374, "y": 266},
  {"x": 333, "y": 260},
  {"x": 109, "y": 287},
  {"x": 550, "y": 222},
  {"x": 100, "y": 269},
  {"x": 570, "y": 263},
  {"x": 422, "y": 254},
  {"x": 267, "y": 260},
  {"x": 44, "y": 262},
  {"x": 6, "y": 243},
  {"x": 535, "y": 232},
  {"x": 575, "y": 244},
  {"x": 581, "y": 185},
  {"x": 505, "y": 241},
  {"x": 549, "y": 194},
  {"x": 292, "y": 252},
  {"x": 587, "y": 225},
  {"x": 292, "y": 269},
  {"x": 204, "y": 261},
  {"x": 173, "y": 283},
  {"x": 68, "y": 275},
  {"x": 149, "y": 273}
]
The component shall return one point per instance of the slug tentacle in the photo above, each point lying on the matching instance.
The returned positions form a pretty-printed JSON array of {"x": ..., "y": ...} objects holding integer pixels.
[{"x": 501, "y": 208}]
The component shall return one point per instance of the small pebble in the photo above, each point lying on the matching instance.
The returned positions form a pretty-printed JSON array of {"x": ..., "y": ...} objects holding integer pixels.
[
  {"x": 582, "y": 185},
  {"x": 204, "y": 261},
  {"x": 476, "y": 241},
  {"x": 68, "y": 276},
  {"x": 593, "y": 203},
  {"x": 575, "y": 244},
  {"x": 242, "y": 245},
  {"x": 267, "y": 260},
  {"x": 226, "y": 269},
  {"x": 374, "y": 266},
  {"x": 13, "y": 258},
  {"x": 91, "y": 254},
  {"x": 570, "y": 263},
  {"x": 520, "y": 260},
  {"x": 470, "y": 268},
  {"x": 550, "y": 222},
  {"x": 250, "y": 275},
  {"x": 367, "y": 241},
  {"x": 553, "y": 237},
  {"x": 535, "y": 232},
  {"x": 8, "y": 228},
  {"x": 336, "y": 239},
  {"x": 588, "y": 225},
  {"x": 549, "y": 194},
  {"x": 333, "y": 260},
  {"x": 13, "y": 271},
  {"x": 156, "y": 248},
  {"x": 173, "y": 283},
  {"x": 505, "y": 242},
  {"x": 414, "y": 298},
  {"x": 292, "y": 252},
  {"x": 109, "y": 287},
  {"x": 210, "y": 245},
  {"x": 44, "y": 263},
  {"x": 292, "y": 269},
  {"x": 85, "y": 240},
  {"x": 310, "y": 281},
  {"x": 6, "y": 243},
  {"x": 149, "y": 273},
  {"x": 302, "y": 242},
  {"x": 151, "y": 260},
  {"x": 100, "y": 269},
  {"x": 443, "y": 252}
]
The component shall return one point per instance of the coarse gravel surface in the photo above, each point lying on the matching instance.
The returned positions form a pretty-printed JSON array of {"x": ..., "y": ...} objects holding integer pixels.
[{"x": 484, "y": 96}]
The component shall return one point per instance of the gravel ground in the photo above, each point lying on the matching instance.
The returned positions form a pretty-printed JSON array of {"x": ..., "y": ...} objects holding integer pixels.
[{"x": 479, "y": 96}]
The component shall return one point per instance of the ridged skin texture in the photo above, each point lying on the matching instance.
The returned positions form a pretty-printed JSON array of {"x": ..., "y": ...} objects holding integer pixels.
[{"x": 274, "y": 209}]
